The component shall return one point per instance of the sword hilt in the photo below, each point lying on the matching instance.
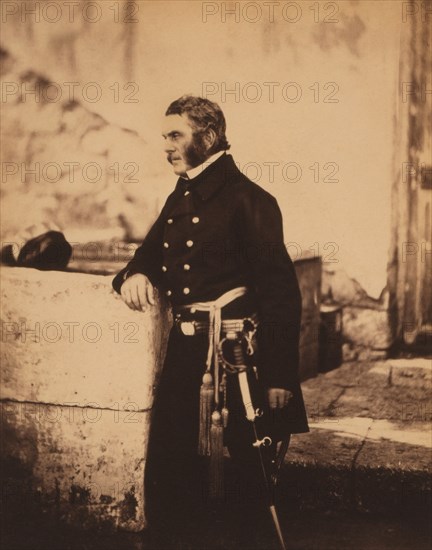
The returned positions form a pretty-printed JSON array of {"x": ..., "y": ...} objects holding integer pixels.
[
  {"x": 264, "y": 442},
  {"x": 243, "y": 383},
  {"x": 238, "y": 355}
]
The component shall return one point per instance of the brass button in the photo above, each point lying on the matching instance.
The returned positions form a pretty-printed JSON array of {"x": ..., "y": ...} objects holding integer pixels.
[
  {"x": 166, "y": 245},
  {"x": 195, "y": 219},
  {"x": 186, "y": 290},
  {"x": 168, "y": 292},
  {"x": 187, "y": 328},
  {"x": 170, "y": 220},
  {"x": 186, "y": 193},
  {"x": 189, "y": 244},
  {"x": 186, "y": 267},
  {"x": 164, "y": 268}
]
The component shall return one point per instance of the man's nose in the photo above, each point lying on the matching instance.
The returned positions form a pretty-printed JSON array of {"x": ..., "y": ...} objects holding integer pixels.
[{"x": 169, "y": 146}]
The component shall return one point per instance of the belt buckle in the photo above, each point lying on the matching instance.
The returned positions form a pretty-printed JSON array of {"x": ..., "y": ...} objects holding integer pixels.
[{"x": 187, "y": 328}]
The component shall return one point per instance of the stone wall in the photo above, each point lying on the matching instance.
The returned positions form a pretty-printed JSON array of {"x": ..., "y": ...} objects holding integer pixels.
[
  {"x": 366, "y": 326},
  {"x": 78, "y": 371}
]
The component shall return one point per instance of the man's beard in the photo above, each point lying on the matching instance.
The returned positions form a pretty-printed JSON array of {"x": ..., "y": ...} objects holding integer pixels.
[{"x": 196, "y": 153}]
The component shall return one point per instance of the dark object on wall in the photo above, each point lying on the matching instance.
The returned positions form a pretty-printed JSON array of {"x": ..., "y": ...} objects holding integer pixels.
[
  {"x": 48, "y": 251},
  {"x": 330, "y": 338},
  {"x": 309, "y": 277},
  {"x": 426, "y": 177}
]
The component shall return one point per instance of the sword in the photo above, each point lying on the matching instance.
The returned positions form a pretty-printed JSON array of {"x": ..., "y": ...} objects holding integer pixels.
[{"x": 251, "y": 415}]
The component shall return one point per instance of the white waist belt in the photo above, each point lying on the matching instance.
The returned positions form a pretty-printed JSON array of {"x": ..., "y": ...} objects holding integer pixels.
[{"x": 214, "y": 309}]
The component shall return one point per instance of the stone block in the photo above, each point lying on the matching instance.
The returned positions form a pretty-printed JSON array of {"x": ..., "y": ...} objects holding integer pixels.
[
  {"x": 340, "y": 287},
  {"x": 68, "y": 338},
  {"x": 78, "y": 372},
  {"x": 84, "y": 465},
  {"x": 367, "y": 327}
]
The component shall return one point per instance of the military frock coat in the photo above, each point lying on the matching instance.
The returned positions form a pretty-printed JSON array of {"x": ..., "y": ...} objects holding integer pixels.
[{"x": 219, "y": 231}]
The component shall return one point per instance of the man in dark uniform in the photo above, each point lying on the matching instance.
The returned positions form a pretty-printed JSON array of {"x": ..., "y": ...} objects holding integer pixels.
[{"x": 218, "y": 235}]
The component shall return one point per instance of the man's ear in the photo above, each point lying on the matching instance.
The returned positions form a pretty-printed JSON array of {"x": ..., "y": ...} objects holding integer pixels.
[{"x": 210, "y": 138}]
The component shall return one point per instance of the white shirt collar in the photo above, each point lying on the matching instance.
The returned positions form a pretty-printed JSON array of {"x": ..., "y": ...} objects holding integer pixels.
[{"x": 194, "y": 172}]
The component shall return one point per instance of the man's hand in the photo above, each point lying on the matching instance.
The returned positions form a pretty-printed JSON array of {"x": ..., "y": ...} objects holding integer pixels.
[
  {"x": 137, "y": 292},
  {"x": 278, "y": 397}
]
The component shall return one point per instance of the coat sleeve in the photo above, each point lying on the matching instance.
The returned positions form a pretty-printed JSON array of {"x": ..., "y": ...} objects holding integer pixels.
[
  {"x": 279, "y": 299},
  {"x": 147, "y": 258}
]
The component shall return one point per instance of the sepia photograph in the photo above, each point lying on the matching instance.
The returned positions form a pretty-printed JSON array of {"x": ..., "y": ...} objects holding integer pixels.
[{"x": 215, "y": 275}]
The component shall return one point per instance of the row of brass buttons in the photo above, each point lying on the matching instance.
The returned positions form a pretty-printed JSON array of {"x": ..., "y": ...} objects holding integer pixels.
[
  {"x": 189, "y": 244},
  {"x": 186, "y": 290},
  {"x": 195, "y": 219},
  {"x": 186, "y": 267}
]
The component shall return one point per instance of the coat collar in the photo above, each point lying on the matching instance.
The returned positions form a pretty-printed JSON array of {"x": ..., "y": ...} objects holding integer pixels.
[
  {"x": 193, "y": 172},
  {"x": 211, "y": 179}
]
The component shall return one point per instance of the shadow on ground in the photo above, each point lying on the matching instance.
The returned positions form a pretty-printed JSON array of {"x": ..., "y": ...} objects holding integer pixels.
[{"x": 307, "y": 530}]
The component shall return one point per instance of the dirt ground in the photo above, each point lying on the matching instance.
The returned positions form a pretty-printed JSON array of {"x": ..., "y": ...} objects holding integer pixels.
[{"x": 303, "y": 531}]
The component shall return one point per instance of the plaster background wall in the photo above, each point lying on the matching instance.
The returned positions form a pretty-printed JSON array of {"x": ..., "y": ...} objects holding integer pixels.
[{"x": 175, "y": 47}]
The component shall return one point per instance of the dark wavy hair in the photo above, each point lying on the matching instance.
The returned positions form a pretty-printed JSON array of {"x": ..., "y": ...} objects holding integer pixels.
[{"x": 204, "y": 114}]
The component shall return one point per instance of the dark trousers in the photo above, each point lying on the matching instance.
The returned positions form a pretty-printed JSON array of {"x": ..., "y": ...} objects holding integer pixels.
[{"x": 176, "y": 477}]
